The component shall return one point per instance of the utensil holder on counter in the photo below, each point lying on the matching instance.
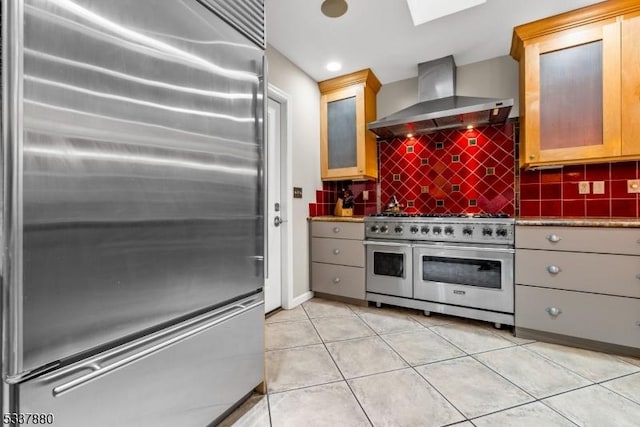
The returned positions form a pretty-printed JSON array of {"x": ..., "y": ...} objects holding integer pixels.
[{"x": 340, "y": 211}]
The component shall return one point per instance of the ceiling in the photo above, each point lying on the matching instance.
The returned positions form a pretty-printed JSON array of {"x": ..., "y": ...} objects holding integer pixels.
[{"x": 379, "y": 34}]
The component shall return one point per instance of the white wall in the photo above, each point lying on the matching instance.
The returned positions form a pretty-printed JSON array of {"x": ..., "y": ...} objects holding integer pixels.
[
  {"x": 305, "y": 105},
  {"x": 493, "y": 78}
]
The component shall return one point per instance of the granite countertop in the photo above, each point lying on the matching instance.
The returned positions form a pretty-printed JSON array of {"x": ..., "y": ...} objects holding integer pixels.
[
  {"x": 331, "y": 218},
  {"x": 579, "y": 222}
]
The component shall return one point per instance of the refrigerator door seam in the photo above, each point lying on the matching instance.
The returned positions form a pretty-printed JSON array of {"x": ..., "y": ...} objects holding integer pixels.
[{"x": 12, "y": 210}]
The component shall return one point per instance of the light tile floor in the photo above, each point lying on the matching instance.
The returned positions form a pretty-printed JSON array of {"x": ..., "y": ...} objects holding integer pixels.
[{"x": 334, "y": 364}]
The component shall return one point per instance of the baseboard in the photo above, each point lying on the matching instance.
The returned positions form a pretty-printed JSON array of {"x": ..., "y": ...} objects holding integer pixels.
[
  {"x": 300, "y": 299},
  {"x": 576, "y": 342}
]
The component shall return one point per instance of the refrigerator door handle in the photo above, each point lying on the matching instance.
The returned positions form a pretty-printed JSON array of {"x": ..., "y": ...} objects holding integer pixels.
[{"x": 97, "y": 370}]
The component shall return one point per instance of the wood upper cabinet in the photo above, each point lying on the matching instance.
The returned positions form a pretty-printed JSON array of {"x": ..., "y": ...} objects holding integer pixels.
[
  {"x": 578, "y": 74},
  {"x": 348, "y": 149},
  {"x": 631, "y": 85}
]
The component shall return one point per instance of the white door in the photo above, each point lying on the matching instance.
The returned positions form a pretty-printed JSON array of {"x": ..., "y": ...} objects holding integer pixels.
[{"x": 273, "y": 282}]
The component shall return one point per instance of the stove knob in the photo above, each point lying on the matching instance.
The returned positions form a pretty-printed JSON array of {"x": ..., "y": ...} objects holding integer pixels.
[
  {"x": 467, "y": 231},
  {"x": 448, "y": 231},
  {"x": 414, "y": 229},
  {"x": 398, "y": 229},
  {"x": 375, "y": 229},
  {"x": 424, "y": 230},
  {"x": 502, "y": 232},
  {"x": 384, "y": 229},
  {"x": 437, "y": 230},
  {"x": 487, "y": 231}
]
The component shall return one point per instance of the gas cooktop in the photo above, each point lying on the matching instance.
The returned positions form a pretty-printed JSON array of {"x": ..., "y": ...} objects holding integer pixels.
[
  {"x": 438, "y": 215},
  {"x": 480, "y": 228}
]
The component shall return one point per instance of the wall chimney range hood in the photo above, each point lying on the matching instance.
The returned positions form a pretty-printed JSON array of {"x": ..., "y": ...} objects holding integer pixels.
[{"x": 439, "y": 108}]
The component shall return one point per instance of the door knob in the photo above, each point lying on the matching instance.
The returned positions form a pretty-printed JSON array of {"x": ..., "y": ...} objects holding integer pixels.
[
  {"x": 336, "y": 251},
  {"x": 336, "y": 229},
  {"x": 277, "y": 221},
  {"x": 553, "y": 238},
  {"x": 336, "y": 280}
]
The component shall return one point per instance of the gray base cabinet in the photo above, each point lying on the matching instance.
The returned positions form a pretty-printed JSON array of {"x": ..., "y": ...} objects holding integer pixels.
[
  {"x": 579, "y": 282},
  {"x": 337, "y": 259}
]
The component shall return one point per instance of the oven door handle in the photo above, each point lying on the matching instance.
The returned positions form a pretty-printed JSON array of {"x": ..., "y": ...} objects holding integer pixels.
[
  {"x": 404, "y": 245},
  {"x": 468, "y": 248}
]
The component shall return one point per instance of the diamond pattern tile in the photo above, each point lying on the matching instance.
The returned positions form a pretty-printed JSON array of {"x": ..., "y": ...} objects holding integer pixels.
[{"x": 495, "y": 193}]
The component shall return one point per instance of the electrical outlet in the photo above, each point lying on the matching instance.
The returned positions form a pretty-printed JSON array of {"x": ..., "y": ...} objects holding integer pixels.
[
  {"x": 365, "y": 195},
  {"x": 598, "y": 187},
  {"x": 583, "y": 187},
  {"x": 633, "y": 186}
]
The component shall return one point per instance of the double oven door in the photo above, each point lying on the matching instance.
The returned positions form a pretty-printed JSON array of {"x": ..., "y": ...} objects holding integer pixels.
[
  {"x": 389, "y": 268},
  {"x": 463, "y": 275}
]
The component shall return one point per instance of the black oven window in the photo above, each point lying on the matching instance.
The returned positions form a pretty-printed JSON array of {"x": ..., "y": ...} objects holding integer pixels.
[
  {"x": 388, "y": 264},
  {"x": 460, "y": 271}
]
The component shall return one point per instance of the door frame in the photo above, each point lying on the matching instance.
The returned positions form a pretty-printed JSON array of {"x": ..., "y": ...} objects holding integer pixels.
[{"x": 286, "y": 191}]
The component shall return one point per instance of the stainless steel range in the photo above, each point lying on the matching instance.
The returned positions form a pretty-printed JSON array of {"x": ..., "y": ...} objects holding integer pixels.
[{"x": 452, "y": 264}]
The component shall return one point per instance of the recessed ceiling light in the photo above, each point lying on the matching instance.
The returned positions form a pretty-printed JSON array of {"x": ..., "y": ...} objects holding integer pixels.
[
  {"x": 334, "y": 66},
  {"x": 334, "y": 8},
  {"x": 424, "y": 11}
]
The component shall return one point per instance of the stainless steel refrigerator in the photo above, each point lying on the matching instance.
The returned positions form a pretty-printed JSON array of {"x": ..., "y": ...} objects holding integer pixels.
[{"x": 132, "y": 217}]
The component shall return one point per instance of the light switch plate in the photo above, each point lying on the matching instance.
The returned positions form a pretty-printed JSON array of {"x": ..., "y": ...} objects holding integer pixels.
[
  {"x": 297, "y": 192},
  {"x": 583, "y": 187},
  {"x": 598, "y": 187},
  {"x": 633, "y": 186}
]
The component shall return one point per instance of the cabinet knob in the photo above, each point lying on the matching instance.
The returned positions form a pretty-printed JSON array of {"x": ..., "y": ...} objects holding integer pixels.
[
  {"x": 553, "y": 311},
  {"x": 359, "y": 170},
  {"x": 336, "y": 251},
  {"x": 532, "y": 156},
  {"x": 336, "y": 229},
  {"x": 553, "y": 269},
  {"x": 336, "y": 280},
  {"x": 553, "y": 238}
]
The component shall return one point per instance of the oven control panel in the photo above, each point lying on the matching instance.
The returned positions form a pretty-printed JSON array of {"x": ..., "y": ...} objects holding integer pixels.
[{"x": 459, "y": 230}]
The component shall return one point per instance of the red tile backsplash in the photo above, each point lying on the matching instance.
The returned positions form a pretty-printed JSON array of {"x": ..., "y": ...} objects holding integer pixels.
[
  {"x": 447, "y": 168},
  {"x": 327, "y": 197},
  {"x": 446, "y": 173},
  {"x": 540, "y": 196}
]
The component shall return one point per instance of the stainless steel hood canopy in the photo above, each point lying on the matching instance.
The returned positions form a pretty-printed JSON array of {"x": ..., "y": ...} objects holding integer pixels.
[{"x": 439, "y": 108}]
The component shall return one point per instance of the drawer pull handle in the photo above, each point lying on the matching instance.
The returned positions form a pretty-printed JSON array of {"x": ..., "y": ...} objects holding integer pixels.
[
  {"x": 336, "y": 229},
  {"x": 553, "y": 311},
  {"x": 336, "y": 251},
  {"x": 336, "y": 280},
  {"x": 553, "y": 238},
  {"x": 553, "y": 269}
]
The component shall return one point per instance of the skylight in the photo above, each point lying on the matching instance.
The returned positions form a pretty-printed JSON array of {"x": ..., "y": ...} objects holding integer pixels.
[{"x": 427, "y": 10}]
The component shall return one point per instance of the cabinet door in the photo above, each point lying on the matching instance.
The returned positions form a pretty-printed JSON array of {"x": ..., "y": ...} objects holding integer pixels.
[
  {"x": 342, "y": 127},
  {"x": 572, "y": 95},
  {"x": 631, "y": 85}
]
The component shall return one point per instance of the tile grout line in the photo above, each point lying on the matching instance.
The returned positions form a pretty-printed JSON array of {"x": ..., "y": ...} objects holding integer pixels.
[
  {"x": 580, "y": 375},
  {"x": 340, "y": 371},
  {"x": 465, "y": 354},
  {"x": 422, "y": 377}
]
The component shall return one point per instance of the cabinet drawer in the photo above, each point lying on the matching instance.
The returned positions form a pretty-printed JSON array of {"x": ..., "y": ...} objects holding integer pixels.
[
  {"x": 338, "y": 230},
  {"x": 338, "y": 280},
  {"x": 599, "y": 273},
  {"x": 337, "y": 251},
  {"x": 580, "y": 239},
  {"x": 609, "y": 319}
]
